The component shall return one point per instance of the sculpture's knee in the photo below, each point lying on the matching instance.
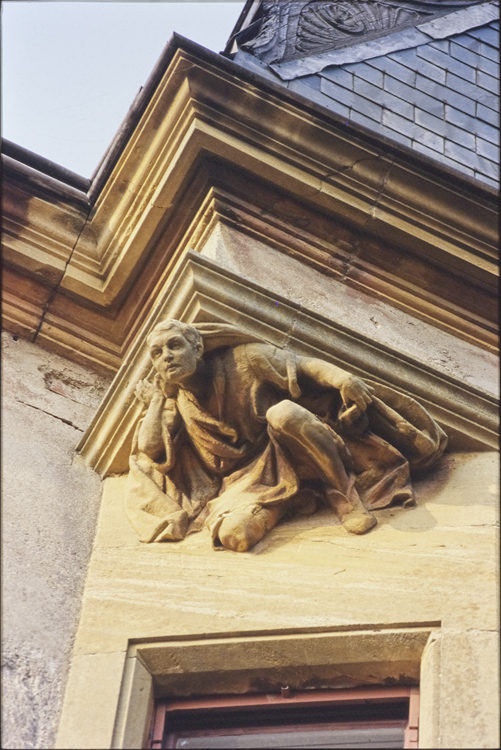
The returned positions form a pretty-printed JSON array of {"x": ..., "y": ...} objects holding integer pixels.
[{"x": 286, "y": 416}]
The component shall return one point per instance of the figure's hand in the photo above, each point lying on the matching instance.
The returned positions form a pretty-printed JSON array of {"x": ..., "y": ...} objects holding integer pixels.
[
  {"x": 172, "y": 416},
  {"x": 146, "y": 391},
  {"x": 355, "y": 391}
]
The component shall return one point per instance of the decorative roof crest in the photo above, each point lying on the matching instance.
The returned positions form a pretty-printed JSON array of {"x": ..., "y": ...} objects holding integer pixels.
[{"x": 301, "y": 27}]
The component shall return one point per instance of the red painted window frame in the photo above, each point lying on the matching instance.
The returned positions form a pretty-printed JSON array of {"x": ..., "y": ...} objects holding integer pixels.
[{"x": 301, "y": 699}]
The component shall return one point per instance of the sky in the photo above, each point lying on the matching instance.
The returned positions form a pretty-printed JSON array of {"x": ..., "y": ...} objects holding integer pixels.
[{"x": 71, "y": 70}]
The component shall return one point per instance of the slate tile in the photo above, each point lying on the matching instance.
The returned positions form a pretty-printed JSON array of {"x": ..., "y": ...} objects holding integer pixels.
[
  {"x": 446, "y": 95},
  {"x": 404, "y": 140},
  {"x": 414, "y": 131},
  {"x": 486, "y": 114},
  {"x": 489, "y": 150},
  {"x": 405, "y": 57},
  {"x": 465, "y": 55},
  {"x": 318, "y": 97},
  {"x": 487, "y": 132},
  {"x": 488, "y": 82},
  {"x": 429, "y": 70},
  {"x": 333, "y": 105},
  {"x": 384, "y": 98},
  {"x": 378, "y": 128},
  {"x": 488, "y": 66},
  {"x": 338, "y": 75},
  {"x": 410, "y": 59},
  {"x": 479, "y": 47},
  {"x": 471, "y": 159},
  {"x": 471, "y": 91},
  {"x": 442, "y": 45},
  {"x": 430, "y": 139},
  {"x": 446, "y": 62},
  {"x": 394, "y": 104},
  {"x": 475, "y": 60},
  {"x": 486, "y": 35},
  {"x": 461, "y": 119},
  {"x": 487, "y": 180},
  {"x": 392, "y": 68},
  {"x": 368, "y": 108},
  {"x": 367, "y": 121},
  {"x": 489, "y": 168},
  {"x": 351, "y": 99},
  {"x": 367, "y": 73},
  {"x": 446, "y": 129},
  {"x": 443, "y": 159},
  {"x": 412, "y": 95},
  {"x": 335, "y": 91},
  {"x": 400, "y": 124},
  {"x": 313, "y": 81}
]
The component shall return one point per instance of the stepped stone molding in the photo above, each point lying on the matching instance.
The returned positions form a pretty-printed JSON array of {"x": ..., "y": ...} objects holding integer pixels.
[
  {"x": 201, "y": 291},
  {"x": 82, "y": 275}
]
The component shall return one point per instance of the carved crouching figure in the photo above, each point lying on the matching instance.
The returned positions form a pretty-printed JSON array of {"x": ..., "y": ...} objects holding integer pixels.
[{"x": 238, "y": 433}]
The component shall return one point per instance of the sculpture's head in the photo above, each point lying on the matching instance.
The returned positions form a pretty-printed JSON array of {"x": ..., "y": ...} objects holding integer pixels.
[{"x": 175, "y": 350}]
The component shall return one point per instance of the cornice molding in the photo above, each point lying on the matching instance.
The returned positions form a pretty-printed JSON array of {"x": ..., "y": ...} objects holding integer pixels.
[
  {"x": 201, "y": 291},
  {"x": 206, "y": 115}
]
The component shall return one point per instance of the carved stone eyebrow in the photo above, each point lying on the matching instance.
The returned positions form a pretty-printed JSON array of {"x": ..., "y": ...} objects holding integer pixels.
[{"x": 176, "y": 337}]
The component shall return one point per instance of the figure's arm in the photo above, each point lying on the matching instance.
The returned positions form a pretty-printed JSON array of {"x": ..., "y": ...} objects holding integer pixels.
[
  {"x": 150, "y": 437},
  {"x": 352, "y": 388}
]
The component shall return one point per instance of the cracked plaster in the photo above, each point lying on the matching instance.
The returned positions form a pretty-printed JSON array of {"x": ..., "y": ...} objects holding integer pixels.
[{"x": 48, "y": 522}]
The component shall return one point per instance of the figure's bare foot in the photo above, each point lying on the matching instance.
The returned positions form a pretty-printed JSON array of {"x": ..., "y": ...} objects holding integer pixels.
[
  {"x": 350, "y": 510},
  {"x": 241, "y": 530},
  {"x": 359, "y": 521}
]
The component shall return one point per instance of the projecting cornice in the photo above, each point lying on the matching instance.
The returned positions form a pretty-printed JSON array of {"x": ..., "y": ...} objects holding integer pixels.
[
  {"x": 201, "y": 291},
  {"x": 82, "y": 270}
]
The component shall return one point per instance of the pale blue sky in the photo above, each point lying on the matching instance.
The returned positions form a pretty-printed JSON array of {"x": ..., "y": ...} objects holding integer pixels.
[{"x": 70, "y": 70}]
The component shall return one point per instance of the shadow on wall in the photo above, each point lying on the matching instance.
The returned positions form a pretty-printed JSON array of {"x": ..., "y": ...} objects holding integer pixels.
[{"x": 455, "y": 480}]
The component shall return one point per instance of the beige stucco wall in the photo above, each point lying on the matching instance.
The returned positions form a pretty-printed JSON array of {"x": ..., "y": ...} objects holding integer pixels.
[
  {"x": 48, "y": 522},
  {"x": 435, "y": 563}
]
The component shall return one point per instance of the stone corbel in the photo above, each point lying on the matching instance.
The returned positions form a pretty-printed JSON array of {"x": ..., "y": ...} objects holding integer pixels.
[{"x": 201, "y": 291}]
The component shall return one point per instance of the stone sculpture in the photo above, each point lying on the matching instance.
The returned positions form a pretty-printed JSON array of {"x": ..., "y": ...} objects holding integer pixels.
[{"x": 237, "y": 434}]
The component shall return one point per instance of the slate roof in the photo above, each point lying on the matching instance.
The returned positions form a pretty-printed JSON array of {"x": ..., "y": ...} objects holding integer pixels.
[{"x": 440, "y": 98}]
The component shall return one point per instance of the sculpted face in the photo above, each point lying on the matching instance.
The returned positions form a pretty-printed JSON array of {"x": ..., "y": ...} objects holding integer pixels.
[{"x": 173, "y": 356}]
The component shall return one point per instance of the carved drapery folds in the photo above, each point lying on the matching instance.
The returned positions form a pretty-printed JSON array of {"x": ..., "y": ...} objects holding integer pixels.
[
  {"x": 237, "y": 434},
  {"x": 291, "y": 30}
]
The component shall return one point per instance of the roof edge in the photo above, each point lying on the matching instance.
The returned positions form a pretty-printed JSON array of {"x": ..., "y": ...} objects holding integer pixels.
[
  {"x": 145, "y": 94},
  {"x": 45, "y": 166}
]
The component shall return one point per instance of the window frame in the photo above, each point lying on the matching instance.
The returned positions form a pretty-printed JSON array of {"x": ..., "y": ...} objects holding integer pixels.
[{"x": 300, "y": 699}]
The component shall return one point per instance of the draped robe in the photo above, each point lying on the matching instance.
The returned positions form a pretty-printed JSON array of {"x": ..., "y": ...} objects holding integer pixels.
[{"x": 224, "y": 456}]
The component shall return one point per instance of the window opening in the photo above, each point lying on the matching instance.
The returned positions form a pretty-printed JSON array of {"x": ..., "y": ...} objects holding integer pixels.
[{"x": 368, "y": 718}]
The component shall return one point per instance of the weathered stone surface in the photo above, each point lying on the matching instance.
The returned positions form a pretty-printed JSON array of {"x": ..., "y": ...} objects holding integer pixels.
[
  {"x": 309, "y": 573},
  {"x": 374, "y": 318},
  {"x": 102, "y": 671},
  {"x": 49, "y": 514},
  {"x": 372, "y": 579}
]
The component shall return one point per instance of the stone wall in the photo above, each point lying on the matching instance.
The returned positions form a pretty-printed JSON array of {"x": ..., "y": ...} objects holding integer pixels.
[
  {"x": 50, "y": 506},
  {"x": 432, "y": 564}
]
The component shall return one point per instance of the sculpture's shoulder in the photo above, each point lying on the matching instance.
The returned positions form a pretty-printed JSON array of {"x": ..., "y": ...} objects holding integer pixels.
[
  {"x": 259, "y": 356},
  {"x": 247, "y": 365},
  {"x": 264, "y": 363}
]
